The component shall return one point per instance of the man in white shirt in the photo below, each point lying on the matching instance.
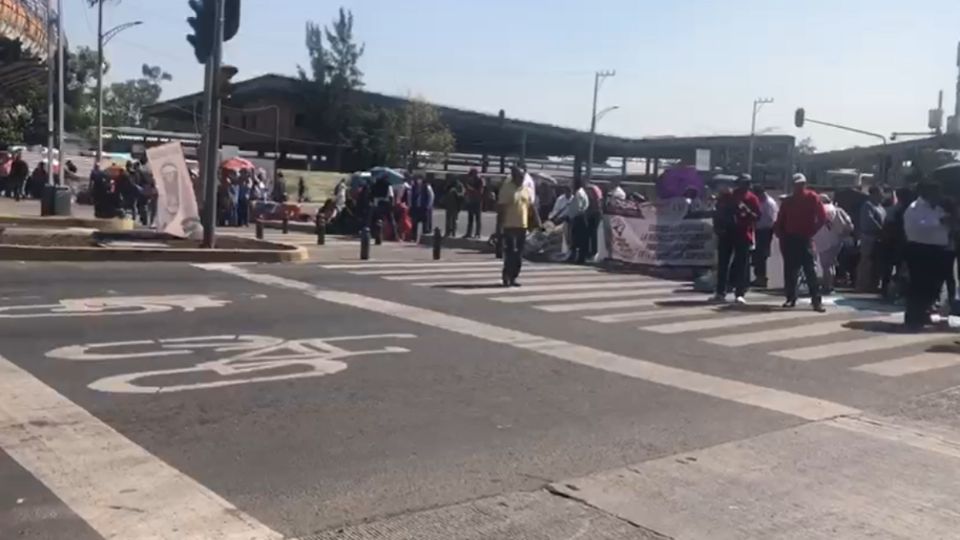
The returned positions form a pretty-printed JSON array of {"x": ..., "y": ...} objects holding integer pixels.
[
  {"x": 617, "y": 192},
  {"x": 577, "y": 219},
  {"x": 761, "y": 252},
  {"x": 829, "y": 240},
  {"x": 924, "y": 224}
]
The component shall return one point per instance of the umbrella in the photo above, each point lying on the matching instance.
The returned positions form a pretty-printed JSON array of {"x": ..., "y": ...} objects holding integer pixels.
[
  {"x": 675, "y": 182},
  {"x": 541, "y": 178},
  {"x": 395, "y": 176},
  {"x": 237, "y": 164}
]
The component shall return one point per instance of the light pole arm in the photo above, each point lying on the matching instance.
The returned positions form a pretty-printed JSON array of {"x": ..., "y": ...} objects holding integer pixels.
[
  {"x": 847, "y": 128},
  {"x": 112, "y": 33}
]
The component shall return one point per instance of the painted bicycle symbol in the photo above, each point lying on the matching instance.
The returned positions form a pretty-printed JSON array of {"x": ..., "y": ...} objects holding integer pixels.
[
  {"x": 247, "y": 359},
  {"x": 112, "y": 305}
]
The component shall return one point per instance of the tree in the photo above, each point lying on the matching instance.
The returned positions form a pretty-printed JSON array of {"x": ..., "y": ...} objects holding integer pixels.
[
  {"x": 805, "y": 147},
  {"x": 417, "y": 129},
  {"x": 123, "y": 102}
]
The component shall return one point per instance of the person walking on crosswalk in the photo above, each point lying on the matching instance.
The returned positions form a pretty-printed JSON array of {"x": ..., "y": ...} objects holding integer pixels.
[
  {"x": 801, "y": 215},
  {"x": 735, "y": 226},
  {"x": 925, "y": 225},
  {"x": 513, "y": 211}
]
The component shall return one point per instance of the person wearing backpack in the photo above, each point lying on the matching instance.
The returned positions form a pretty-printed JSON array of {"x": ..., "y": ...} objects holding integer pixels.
[{"x": 734, "y": 223}]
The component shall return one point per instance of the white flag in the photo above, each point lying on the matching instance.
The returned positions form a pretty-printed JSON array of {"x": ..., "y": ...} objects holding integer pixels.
[{"x": 177, "y": 212}]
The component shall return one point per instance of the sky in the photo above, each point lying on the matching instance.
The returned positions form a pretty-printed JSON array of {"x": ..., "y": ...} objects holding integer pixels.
[{"x": 683, "y": 67}]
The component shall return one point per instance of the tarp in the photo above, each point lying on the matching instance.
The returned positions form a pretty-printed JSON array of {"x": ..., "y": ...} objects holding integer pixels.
[{"x": 177, "y": 212}]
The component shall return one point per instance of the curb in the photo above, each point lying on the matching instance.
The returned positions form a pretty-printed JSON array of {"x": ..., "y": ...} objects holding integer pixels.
[
  {"x": 85, "y": 254},
  {"x": 64, "y": 222},
  {"x": 295, "y": 226}
]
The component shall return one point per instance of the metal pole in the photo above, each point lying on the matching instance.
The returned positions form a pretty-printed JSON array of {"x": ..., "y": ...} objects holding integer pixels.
[
  {"x": 276, "y": 138},
  {"x": 593, "y": 126},
  {"x": 956, "y": 106},
  {"x": 213, "y": 138},
  {"x": 99, "y": 81},
  {"x": 61, "y": 50},
  {"x": 753, "y": 131},
  {"x": 51, "y": 82}
]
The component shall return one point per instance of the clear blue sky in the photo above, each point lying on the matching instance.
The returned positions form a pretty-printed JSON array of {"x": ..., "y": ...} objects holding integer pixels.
[{"x": 684, "y": 67}]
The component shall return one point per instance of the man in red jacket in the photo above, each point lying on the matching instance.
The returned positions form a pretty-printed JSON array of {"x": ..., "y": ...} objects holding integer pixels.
[
  {"x": 801, "y": 216},
  {"x": 734, "y": 223}
]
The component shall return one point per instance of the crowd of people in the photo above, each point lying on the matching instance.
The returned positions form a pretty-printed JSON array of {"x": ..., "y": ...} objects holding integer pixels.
[
  {"x": 899, "y": 244},
  {"x": 18, "y": 182}
]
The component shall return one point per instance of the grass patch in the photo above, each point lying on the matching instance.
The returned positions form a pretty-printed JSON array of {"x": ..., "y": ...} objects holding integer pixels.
[{"x": 319, "y": 184}]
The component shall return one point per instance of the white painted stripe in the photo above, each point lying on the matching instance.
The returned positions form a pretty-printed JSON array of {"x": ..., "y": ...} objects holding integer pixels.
[
  {"x": 730, "y": 318},
  {"x": 772, "y": 399},
  {"x": 602, "y": 285},
  {"x": 781, "y": 334},
  {"x": 495, "y": 275},
  {"x": 117, "y": 487},
  {"x": 647, "y": 314},
  {"x": 878, "y": 342},
  {"x": 589, "y": 295},
  {"x": 475, "y": 268},
  {"x": 425, "y": 264},
  {"x": 626, "y": 282},
  {"x": 911, "y": 364},
  {"x": 615, "y": 304}
]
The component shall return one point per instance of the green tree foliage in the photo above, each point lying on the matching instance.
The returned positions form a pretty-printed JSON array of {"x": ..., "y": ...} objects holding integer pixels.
[
  {"x": 417, "y": 132},
  {"x": 806, "y": 147},
  {"x": 123, "y": 102}
]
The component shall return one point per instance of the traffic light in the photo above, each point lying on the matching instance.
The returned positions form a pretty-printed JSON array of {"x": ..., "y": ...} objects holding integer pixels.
[
  {"x": 799, "y": 117},
  {"x": 224, "y": 84},
  {"x": 202, "y": 24},
  {"x": 231, "y": 19}
]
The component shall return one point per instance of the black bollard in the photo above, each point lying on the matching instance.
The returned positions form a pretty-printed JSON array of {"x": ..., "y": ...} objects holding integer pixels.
[
  {"x": 285, "y": 224},
  {"x": 498, "y": 249},
  {"x": 378, "y": 238},
  {"x": 259, "y": 226},
  {"x": 365, "y": 243},
  {"x": 437, "y": 242},
  {"x": 321, "y": 230}
]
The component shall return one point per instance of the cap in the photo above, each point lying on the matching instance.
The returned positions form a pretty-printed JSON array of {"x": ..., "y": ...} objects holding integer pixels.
[{"x": 799, "y": 178}]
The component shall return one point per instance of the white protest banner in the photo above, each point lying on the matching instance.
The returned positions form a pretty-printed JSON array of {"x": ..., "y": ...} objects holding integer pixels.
[
  {"x": 672, "y": 232},
  {"x": 177, "y": 212}
]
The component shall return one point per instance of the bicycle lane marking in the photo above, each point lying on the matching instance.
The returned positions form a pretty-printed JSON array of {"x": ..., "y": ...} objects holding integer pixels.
[
  {"x": 781, "y": 401},
  {"x": 120, "y": 489}
]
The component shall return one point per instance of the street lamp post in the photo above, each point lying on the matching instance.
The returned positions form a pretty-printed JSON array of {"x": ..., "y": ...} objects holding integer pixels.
[
  {"x": 757, "y": 105},
  {"x": 102, "y": 39},
  {"x": 597, "y": 81}
]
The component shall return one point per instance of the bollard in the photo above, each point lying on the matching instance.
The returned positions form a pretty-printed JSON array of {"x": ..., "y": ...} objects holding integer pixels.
[
  {"x": 286, "y": 224},
  {"x": 259, "y": 226},
  {"x": 378, "y": 238},
  {"x": 365, "y": 243},
  {"x": 437, "y": 241},
  {"x": 498, "y": 249},
  {"x": 321, "y": 230}
]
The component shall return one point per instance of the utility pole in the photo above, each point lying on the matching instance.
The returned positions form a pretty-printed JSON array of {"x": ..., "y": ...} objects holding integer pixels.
[
  {"x": 51, "y": 83},
  {"x": 61, "y": 50},
  {"x": 212, "y": 141},
  {"x": 956, "y": 110},
  {"x": 597, "y": 80},
  {"x": 757, "y": 105},
  {"x": 99, "y": 81}
]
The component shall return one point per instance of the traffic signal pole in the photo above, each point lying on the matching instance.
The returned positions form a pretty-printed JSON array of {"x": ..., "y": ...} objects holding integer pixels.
[{"x": 212, "y": 129}]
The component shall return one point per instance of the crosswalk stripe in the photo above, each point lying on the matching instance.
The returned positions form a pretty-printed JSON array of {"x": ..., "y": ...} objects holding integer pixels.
[
  {"x": 495, "y": 275},
  {"x": 425, "y": 264},
  {"x": 589, "y": 295},
  {"x": 665, "y": 313},
  {"x": 572, "y": 280},
  {"x": 616, "y": 304},
  {"x": 552, "y": 287},
  {"x": 874, "y": 343},
  {"x": 730, "y": 318},
  {"x": 911, "y": 364},
  {"x": 782, "y": 334},
  {"x": 471, "y": 268}
]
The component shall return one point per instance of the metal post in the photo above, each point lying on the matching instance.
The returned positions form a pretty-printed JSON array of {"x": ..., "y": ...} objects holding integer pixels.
[
  {"x": 378, "y": 234},
  {"x": 259, "y": 230},
  {"x": 213, "y": 139},
  {"x": 285, "y": 224},
  {"x": 99, "y": 81},
  {"x": 321, "y": 229},
  {"x": 364, "y": 243},
  {"x": 757, "y": 103},
  {"x": 51, "y": 83},
  {"x": 437, "y": 243},
  {"x": 61, "y": 50}
]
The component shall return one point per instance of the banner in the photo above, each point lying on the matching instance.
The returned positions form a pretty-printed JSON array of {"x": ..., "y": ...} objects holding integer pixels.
[
  {"x": 673, "y": 232},
  {"x": 177, "y": 212}
]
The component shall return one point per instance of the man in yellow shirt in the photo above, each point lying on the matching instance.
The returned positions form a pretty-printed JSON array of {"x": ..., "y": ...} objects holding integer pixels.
[{"x": 513, "y": 210}]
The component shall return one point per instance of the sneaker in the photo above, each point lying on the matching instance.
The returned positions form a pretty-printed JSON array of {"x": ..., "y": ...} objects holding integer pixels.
[
  {"x": 740, "y": 300},
  {"x": 515, "y": 284},
  {"x": 819, "y": 308},
  {"x": 790, "y": 304},
  {"x": 718, "y": 299}
]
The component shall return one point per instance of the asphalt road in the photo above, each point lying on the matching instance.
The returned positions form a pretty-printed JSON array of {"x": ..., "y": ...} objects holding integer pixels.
[{"x": 406, "y": 398}]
